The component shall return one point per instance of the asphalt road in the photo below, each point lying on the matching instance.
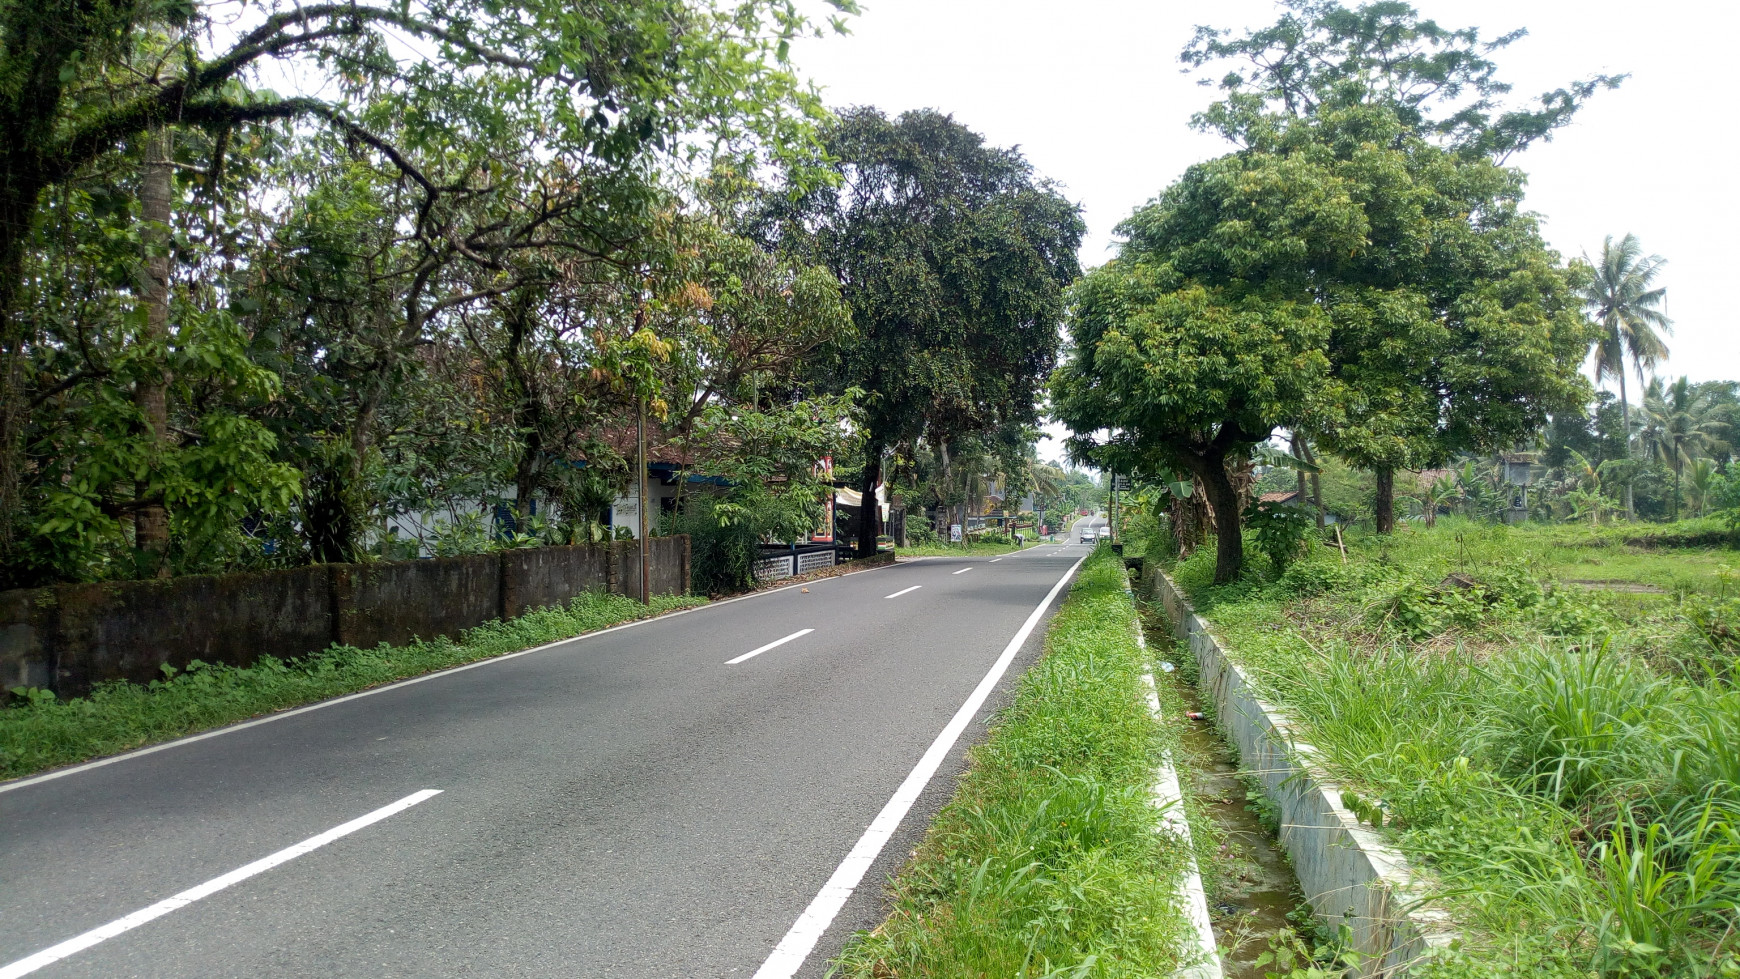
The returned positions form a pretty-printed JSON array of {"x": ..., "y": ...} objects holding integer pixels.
[
  {"x": 1093, "y": 523},
  {"x": 624, "y": 804}
]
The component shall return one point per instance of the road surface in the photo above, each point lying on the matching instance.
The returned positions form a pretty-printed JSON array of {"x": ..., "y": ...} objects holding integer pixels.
[
  {"x": 666, "y": 799},
  {"x": 1093, "y": 523}
]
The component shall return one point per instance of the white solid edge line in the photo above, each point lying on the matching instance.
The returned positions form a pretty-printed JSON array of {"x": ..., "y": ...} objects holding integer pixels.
[
  {"x": 396, "y": 684},
  {"x": 72, "y": 946},
  {"x": 757, "y": 651},
  {"x": 963, "y": 570},
  {"x": 1168, "y": 797},
  {"x": 903, "y": 591},
  {"x": 797, "y": 944}
]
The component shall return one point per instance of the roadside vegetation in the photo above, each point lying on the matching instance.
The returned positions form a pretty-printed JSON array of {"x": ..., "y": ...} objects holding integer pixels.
[
  {"x": 1048, "y": 861},
  {"x": 1544, "y": 719},
  {"x": 928, "y": 543},
  {"x": 39, "y": 732}
]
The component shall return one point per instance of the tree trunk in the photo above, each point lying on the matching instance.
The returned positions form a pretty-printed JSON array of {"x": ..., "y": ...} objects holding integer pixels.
[
  {"x": 526, "y": 477},
  {"x": 1384, "y": 509},
  {"x": 150, "y": 392},
  {"x": 1302, "y": 448},
  {"x": 1229, "y": 546},
  {"x": 948, "y": 510},
  {"x": 1625, "y": 441},
  {"x": 333, "y": 522},
  {"x": 1677, "y": 465},
  {"x": 868, "y": 515},
  {"x": 17, "y": 214},
  {"x": 528, "y": 413}
]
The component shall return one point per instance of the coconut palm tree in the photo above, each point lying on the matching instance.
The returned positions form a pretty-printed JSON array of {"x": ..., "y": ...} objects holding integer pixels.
[
  {"x": 1625, "y": 302},
  {"x": 1047, "y": 481},
  {"x": 1684, "y": 423}
]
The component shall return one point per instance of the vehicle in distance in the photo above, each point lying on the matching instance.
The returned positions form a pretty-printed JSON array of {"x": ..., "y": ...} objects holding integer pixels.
[
  {"x": 1087, "y": 535},
  {"x": 1105, "y": 532}
]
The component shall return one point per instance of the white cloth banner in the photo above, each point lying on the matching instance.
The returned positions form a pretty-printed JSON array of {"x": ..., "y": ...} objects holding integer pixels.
[{"x": 846, "y": 497}]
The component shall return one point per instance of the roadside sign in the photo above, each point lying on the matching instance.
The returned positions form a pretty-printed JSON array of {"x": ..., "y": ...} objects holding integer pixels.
[{"x": 954, "y": 533}]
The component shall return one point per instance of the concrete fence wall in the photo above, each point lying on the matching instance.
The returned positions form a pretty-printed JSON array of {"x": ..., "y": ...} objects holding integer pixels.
[
  {"x": 68, "y": 638},
  {"x": 1348, "y": 873}
]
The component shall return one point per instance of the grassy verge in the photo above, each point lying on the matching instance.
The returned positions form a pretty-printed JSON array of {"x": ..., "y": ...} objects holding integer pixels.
[
  {"x": 974, "y": 549},
  {"x": 1562, "y": 763},
  {"x": 116, "y": 717},
  {"x": 1047, "y": 861}
]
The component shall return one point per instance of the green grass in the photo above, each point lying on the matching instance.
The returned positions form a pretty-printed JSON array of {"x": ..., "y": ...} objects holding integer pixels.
[
  {"x": 1047, "y": 861},
  {"x": 1642, "y": 554},
  {"x": 974, "y": 549},
  {"x": 1563, "y": 765},
  {"x": 44, "y": 733}
]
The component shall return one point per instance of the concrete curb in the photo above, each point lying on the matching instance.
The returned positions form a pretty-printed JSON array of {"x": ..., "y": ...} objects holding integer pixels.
[
  {"x": 1168, "y": 797},
  {"x": 1349, "y": 874}
]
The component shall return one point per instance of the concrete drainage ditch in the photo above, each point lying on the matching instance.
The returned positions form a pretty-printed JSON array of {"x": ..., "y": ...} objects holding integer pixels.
[{"x": 1349, "y": 876}]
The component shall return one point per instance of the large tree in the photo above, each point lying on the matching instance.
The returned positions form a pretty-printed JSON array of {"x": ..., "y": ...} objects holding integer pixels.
[
  {"x": 952, "y": 256},
  {"x": 1455, "y": 328},
  {"x": 1171, "y": 373},
  {"x": 1626, "y": 303}
]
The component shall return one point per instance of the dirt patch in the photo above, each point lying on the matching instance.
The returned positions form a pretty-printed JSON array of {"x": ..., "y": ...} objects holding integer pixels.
[{"x": 1630, "y": 587}]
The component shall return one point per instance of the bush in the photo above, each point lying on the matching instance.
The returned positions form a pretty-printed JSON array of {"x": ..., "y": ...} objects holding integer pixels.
[
  {"x": 1718, "y": 621},
  {"x": 725, "y": 533},
  {"x": 920, "y": 534},
  {"x": 722, "y": 551},
  {"x": 1280, "y": 530}
]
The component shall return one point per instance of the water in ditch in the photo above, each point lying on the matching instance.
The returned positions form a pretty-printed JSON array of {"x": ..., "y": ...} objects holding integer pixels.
[{"x": 1251, "y": 887}]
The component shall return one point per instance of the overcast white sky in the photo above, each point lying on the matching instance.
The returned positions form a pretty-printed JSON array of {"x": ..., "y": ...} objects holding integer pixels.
[{"x": 1091, "y": 92}]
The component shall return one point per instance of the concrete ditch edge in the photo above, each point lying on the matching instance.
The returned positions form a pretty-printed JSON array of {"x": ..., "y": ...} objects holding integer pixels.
[
  {"x": 1168, "y": 797},
  {"x": 1349, "y": 874}
]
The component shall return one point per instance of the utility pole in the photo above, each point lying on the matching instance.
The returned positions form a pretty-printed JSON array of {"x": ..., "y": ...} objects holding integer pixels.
[
  {"x": 645, "y": 547},
  {"x": 1112, "y": 517}
]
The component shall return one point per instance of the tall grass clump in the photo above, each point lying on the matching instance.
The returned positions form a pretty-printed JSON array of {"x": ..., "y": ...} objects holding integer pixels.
[
  {"x": 41, "y": 732},
  {"x": 1560, "y": 762},
  {"x": 1048, "y": 862}
]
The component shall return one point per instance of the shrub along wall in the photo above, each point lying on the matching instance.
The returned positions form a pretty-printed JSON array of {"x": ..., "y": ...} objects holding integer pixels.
[{"x": 68, "y": 638}]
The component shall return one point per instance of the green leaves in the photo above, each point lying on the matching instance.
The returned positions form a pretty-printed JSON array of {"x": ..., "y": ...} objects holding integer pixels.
[
  {"x": 952, "y": 256},
  {"x": 1322, "y": 56},
  {"x": 1166, "y": 366}
]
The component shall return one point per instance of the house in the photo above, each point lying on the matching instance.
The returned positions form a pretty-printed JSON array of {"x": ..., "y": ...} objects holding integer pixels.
[{"x": 1292, "y": 497}]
